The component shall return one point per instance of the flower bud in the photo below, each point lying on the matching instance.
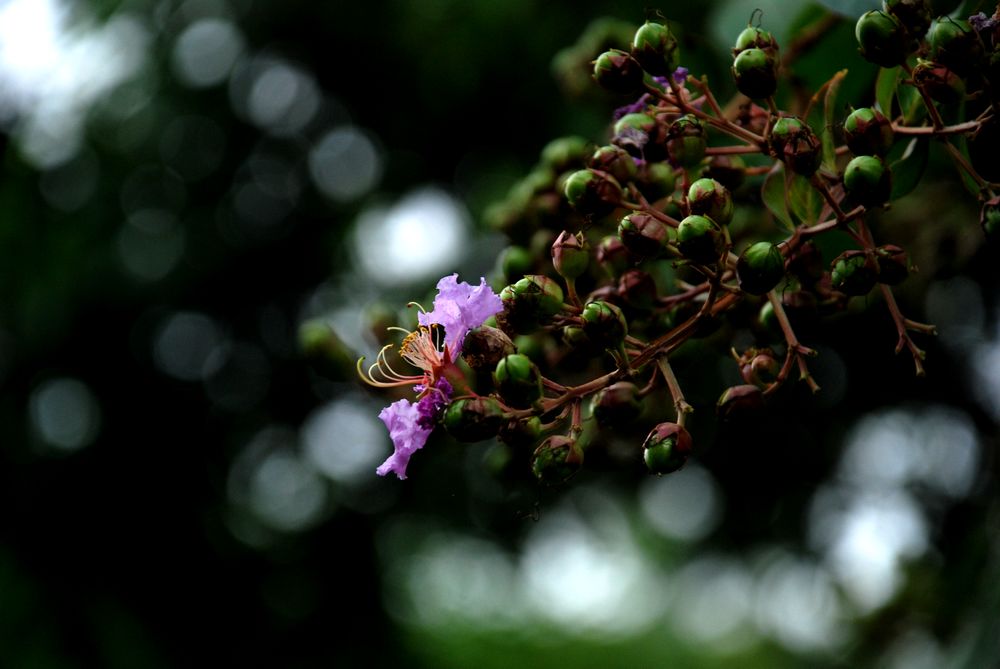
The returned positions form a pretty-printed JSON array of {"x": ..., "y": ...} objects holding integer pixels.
[
  {"x": 637, "y": 289},
  {"x": 759, "y": 268},
  {"x": 616, "y": 161},
  {"x": 753, "y": 37},
  {"x": 882, "y": 39},
  {"x": 604, "y": 324},
  {"x": 755, "y": 73},
  {"x": 867, "y": 132},
  {"x": 854, "y": 273},
  {"x": 955, "y": 44},
  {"x": 655, "y": 180},
  {"x": 686, "y": 141},
  {"x": 700, "y": 239},
  {"x": 868, "y": 180},
  {"x": 473, "y": 418},
  {"x": 914, "y": 15},
  {"x": 893, "y": 264},
  {"x": 484, "y": 347},
  {"x": 738, "y": 401},
  {"x": 617, "y": 405},
  {"x": 758, "y": 366},
  {"x": 521, "y": 433},
  {"x": 618, "y": 72},
  {"x": 643, "y": 235},
  {"x": 565, "y": 153},
  {"x": 515, "y": 261},
  {"x": 641, "y": 135},
  {"x": 655, "y": 49},
  {"x": 612, "y": 255},
  {"x": 989, "y": 217},
  {"x": 940, "y": 82},
  {"x": 556, "y": 460},
  {"x": 666, "y": 448},
  {"x": 518, "y": 381},
  {"x": 529, "y": 302},
  {"x": 707, "y": 197},
  {"x": 570, "y": 255},
  {"x": 592, "y": 193}
]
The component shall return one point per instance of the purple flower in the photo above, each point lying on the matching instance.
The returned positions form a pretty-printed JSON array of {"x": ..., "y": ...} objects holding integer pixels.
[
  {"x": 680, "y": 75},
  {"x": 410, "y": 425},
  {"x": 459, "y": 308},
  {"x": 634, "y": 108}
]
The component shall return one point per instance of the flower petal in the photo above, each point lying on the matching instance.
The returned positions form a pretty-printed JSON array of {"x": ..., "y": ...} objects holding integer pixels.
[
  {"x": 408, "y": 436},
  {"x": 460, "y": 307}
]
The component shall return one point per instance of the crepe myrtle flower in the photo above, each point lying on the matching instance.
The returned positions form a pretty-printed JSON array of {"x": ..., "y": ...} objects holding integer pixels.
[{"x": 432, "y": 348}]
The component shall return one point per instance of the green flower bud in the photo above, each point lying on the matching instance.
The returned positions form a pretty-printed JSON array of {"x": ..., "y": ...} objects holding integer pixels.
[
  {"x": 730, "y": 171},
  {"x": 643, "y": 235},
  {"x": 868, "y": 180},
  {"x": 515, "y": 261},
  {"x": 530, "y": 302},
  {"x": 867, "y": 132},
  {"x": 755, "y": 38},
  {"x": 759, "y": 268},
  {"x": 914, "y": 15},
  {"x": 940, "y": 82},
  {"x": 484, "y": 347},
  {"x": 686, "y": 141},
  {"x": 738, "y": 401},
  {"x": 565, "y": 153},
  {"x": 618, "y": 72},
  {"x": 613, "y": 256},
  {"x": 755, "y": 73},
  {"x": 854, "y": 273},
  {"x": 655, "y": 180},
  {"x": 700, "y": 239},
  {"x": 795, "y": 143},
  {"x": 592, "y": 193},
  {"x": 518, "y": 381},
  {"x": 604, "y": 324},
  {"x": 666, "y": 448},
  {"x": 473, "y": 418},
  {"x": 616, "y": 161},
  {"x": 570, "y": 254},
  {"x": 989, "y": 217},
  {"x": 574, "y": 337},
  {"x": 638, "y": 289},
  {"x": 882, "y": 39},
  {"x": 893, "y": 264},
  {"x": 707, "y": 197},
  {"x": 617, "y": 405},
  {"x": 767, "y": 319},
  {"x": 521, "y": 433},
  {"x": 955, "y": 44},
  {"x": 556, "y": 460},
  {"x": 655, "y": 49}
]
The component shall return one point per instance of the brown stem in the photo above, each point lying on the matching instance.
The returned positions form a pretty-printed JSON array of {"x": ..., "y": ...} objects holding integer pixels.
[
  {"x": 931, "y": 130},
  {"x": 680, "y": 405},
  {"x": 795, "y": 349},
  {"x": 902, "y": 326}
]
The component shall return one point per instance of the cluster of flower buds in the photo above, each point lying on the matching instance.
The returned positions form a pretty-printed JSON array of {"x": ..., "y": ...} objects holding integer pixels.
[{"x": 623, "y": 253}]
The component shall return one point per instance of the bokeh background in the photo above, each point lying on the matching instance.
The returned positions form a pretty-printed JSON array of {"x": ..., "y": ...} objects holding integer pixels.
[{"x": 207, "y": 206}]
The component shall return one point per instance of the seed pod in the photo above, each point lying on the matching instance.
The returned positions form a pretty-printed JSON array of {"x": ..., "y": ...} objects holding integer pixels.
[
  {"x": 530, "y": 302},
  {"x": 604, "y": 324},
  {"x": 556, "y": 460},
  {"x": 613, "y": 256},
  {"x": 666, "y": 448},
  {"x": 570, "y": 254},
  {"x": 473, "y": 418},
  {"x": 868, "y": 180},
  {"x": 518, "y": 381},
  {"x": 739, "y": 400},
  {"x": 655, "y": 49},
  {"x": 795, "y": 143},
  {"x": 707, "y": 197},
  {"x": 592, "y": 193},
  {"x": 760, "y": 267},
  {"x": 565, "y": 153},
  {"x": 484, "y": 347},
  {"x": 618, "y": 72},
  {"x": 616, "y": 161},
  {"x": 914, "y": 15},
  {"x": 868, "y": 132},
  {"x": 753, "y": 37},
  {"x": 643, "y": 235},
  {"x": 955, "y": 44},
  {"x": 854, "y": 273},
  {"x": 755, "y": 73},
  {"x": 700, "y": 239},
  {"x": 759, "y": 366},
  {"x": 686, "y": 141},
  {"x": 940, "y": 82},
  {"x": 893, "y": 264},
  {"x": 882, "y": 39},
  {"x": 617, "y": 405},
  {"x": 641, "y": 135},
  {"x": 521, "y": 433},
  {"x": 637, "y": 289},
  {"x": 515, "y": 261},
  {"x": 655, "y": 180}
]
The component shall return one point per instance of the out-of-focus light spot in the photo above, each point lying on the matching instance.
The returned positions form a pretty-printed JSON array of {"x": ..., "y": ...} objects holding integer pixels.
[
  {"x": 183, "y": 344},
  {"x": 683, "y": 506},
  {"x": 956, "y": 307},
  {"x": 345, "y": 439},
  {"x": 71, "y": 185},
  {"x": 345, "y": 164},
  {"x": 64, "y": 413},
  {"x": 150, "y": 244},
  {"x": 797, "y": 604},
  {"x": 193, "y": 146},
  {"x": 986, "y": 376},
  {"x": 239, "y": 378},
  {"x": 152, "y": 187},
  {"x": 712, "y": 604},
  {"x": 206, "y": 51},
  {"x": 422, "y": 236},
  {"x": 917, "y": 649},
  {"x": 283, "y": 99}
]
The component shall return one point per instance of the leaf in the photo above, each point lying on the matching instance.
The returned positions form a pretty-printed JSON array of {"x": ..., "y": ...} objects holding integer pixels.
[
  {"x": 909, "y": 168},
  {"x": 773, "y": 195},
  {"x": 911, "y": 105},
  {"x": 885, "y": 88},
  {"x": 962, "y": 144},
  {"x": 829, "y": 110},
  {"x": 803, "y": 200}
]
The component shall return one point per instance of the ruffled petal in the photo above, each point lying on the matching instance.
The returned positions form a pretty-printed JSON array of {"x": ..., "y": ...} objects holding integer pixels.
[
  {"x": 408, "y": 436},
  {"x": 459, "y": 308}
]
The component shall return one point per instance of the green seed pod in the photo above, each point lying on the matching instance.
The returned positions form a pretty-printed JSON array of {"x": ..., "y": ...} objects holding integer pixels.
[
  {"x": 518, "y": 381},
  {"x": 616, "y": 161},
  {"x": 521, "y": 434},
  {"x": 574, "y": 337},
  {"x": 617, "y": 405},
  {"x": 473, "y": 418},
  {"x": 914, "y": 15},
  {"x": 854, "y": 273},
  {"x": 739, "y": 401},
  {"x": 940, "y": 82},
  {"x": 655, "y": 180},
  {"x": 955, "y": 44},
  {"x": 666, "y": 448},
  {"x": 604, "y": 324},
  {"x": 515, "y": 261},
  {"x": 637, "y": 289},
  {"x": 484, "y": 347},
  {"x": 868, "y": 132},
  {"x": 565, "y": 153},
  {"x": 893, "y": 264},
  {"x": 643, "y": 235},
  {"x": 655, "y": 49},
  {"x": 755, "y": 73},
  {"x": 613, "y": 256},
  {"x": 618, "y": 72},
  {"x": 707, "y": 197},
  {"x": 882, "y": 39},
  {"x": 989, "y": 217},
  {"x": 700, "y": 239},
  {"x": 755, "y": 38},
  {"x": 530, "y": 302},
  {"x": 556, "y": 460},
  {"x": 795, "y": 143},
  {"x": 759, "y": 268},
  {"x": 592, "y": 193},
  {"x": 868, "y": 180},
  {"x": 686, "y": 141},
  {"x": 570, "y": 254}
]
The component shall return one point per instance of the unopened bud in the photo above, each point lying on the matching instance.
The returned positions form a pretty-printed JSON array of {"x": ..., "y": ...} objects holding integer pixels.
[
  {"x": 556, "y": 459},
  {"x": 854, "y": 273},
  {"x": 739, "y": 400},
  {"x": 616, "y": 161},
  {"x": 686, "y": 141},
  {"x": 518, "y": 381},
  {"x": 484, "y": 347},
  {"x": 655, "y": 49},
  {"x": 868, "y": 180},
  {"x": 618, "y": 72},
  {"x": 868, "y": 132},
  {"x": 882, "y": 39},
  {"x": 655, "y": 180},
  {"x": 604, "y": 324},
  {"x": 707, "y": 197},
  {"x": 530, "y": 302},
  {"x": 755, "y": 73},
  {"x": 700, "y": 239},
  {"x": 637, "y": 289},
  {"x": 759, "y": 268},
  {"x": 666, "y": 448},
  {"x": 473, "y": 418},
  {"x": 570, "y": 255},
  {"x": 592, "y": 193},
  {"x": 618, "y": 404},
  {"x": 643, "y": 235}
]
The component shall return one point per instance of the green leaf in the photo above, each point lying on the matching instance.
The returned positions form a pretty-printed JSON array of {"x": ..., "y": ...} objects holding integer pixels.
[
  {"x": 885, "y": 88},
  {"x": 911, "y": 105},
  {"x": 909, "y": 168},
  {"x": 773, "y": 195},
  {"x": 804, "y": 201},
  {"x": 970, "y": 184},
  {"x": 829, "y": 121}
]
